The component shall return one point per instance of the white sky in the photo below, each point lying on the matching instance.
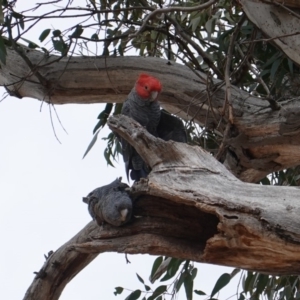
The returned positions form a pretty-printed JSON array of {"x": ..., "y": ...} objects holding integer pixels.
[
  {"x": 42, "y": 184},
  {"x": 41, "y": 187}
]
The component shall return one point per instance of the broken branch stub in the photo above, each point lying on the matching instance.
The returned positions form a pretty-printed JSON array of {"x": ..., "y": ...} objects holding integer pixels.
[{"x": 257, "y": 225}]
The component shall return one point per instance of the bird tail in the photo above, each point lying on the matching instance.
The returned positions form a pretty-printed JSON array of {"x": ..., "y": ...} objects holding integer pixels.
[{"x": 136, "y": 175}]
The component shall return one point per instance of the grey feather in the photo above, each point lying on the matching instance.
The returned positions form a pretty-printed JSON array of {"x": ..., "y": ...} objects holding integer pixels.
[
  {"x": 110, "y": 204},
  {"x": 171, "y": 128},
  {"x": 147, "y": 113}
]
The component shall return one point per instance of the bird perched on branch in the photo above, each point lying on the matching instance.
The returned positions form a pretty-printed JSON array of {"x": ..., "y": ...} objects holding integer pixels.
[
  {"x": 142, "y": 106},
  {"x": 110, "y": 203}
]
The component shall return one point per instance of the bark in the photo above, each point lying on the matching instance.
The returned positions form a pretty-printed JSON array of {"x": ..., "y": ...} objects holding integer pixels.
[
  {"x": 233, "y": 223},
  {"x": 259, "y": 141},
  {"x": 277, "y": 23}
]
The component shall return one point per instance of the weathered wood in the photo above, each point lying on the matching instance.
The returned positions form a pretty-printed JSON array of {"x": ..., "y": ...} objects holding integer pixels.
[
  {"x": 277, "y": 23},
  {"x": 256, "y": 223},
  {"x": 190, "y": 207}
]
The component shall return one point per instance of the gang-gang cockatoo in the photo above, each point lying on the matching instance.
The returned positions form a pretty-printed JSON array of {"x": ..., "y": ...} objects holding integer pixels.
[
  {"x": 142, "y": 106},
  {"x": 110, "y": 204}
]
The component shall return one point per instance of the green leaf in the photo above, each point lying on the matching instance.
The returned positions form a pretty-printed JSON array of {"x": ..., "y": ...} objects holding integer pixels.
[
  {"x": 120, "y": 49},
  {"x": 31, "y": 44},
  {"x": 103, "y": 117},
  {"x": 59, "y": 45},
  {"x": 106, "y": 111},
  {"x": 147, "y": 287},
  {"x": 158, "y": 291},
  {"x": 22, "y": 23},
  {"x": 249, "y": 282},
  {"x": 194, "y": 273},
  {"x": 2, "y": 51},
  {"x": 188, "y": 286},
  {"x": 241, "y": 297},
  {"x": 134, "y": 295},
  {"x": 271, "y": 60},
  {"x": 92, "y": 143},
  {"x": 56, "y": 33},
  {"x": 210, "y": 27},
  {"x": 194, "y": 23},
  {"x": 156, "y": 265},
  {"x": 140, "y": 278},
  {"x": 1, "y": 14},
  {"x": 265, "y": 181},
  {"x": 17, "y": 15},
  {"x": 107, "y": 154},
  {"x": 100, "y": 123},
  {"x": 44, "y": 34},
  {"x": 288, "y": 292},
  {"x": 234, "y": 272},
  {"x": 274, "y": 68},
  {"x": 223, "y": 280},
  {"x": 262, "y": 282},
  {"x": 198, "y": 292},
  {"x": 118, "y": 108},
  {"x": 118, "y": 290},
  {"x": 77, "y": 32},
  {"x": 291, "y": 66},
  {"x": 95, "y": 37},
  {"x": 172, "y": 268},
  {"x": 180, "y": 282}
]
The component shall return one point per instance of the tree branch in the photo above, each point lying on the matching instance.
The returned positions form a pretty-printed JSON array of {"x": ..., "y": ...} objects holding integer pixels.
[
  {"x": 260, "y": 140},
  {"x": 172, "y": 9},
  {"x": 190, "y": 207}
]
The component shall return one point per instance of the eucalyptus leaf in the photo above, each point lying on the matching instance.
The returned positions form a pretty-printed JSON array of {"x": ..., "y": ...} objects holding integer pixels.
[
  {"x": 134, "y": 295},
  {"x": 91, "y": 144},
  {"x": 44, "y": 34},
  {"x": 223, "y": 280},
  {"x": 118, "y": 290}
]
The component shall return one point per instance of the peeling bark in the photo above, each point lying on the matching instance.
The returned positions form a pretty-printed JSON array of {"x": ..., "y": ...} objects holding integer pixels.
[
  {"x": 277, "y": 23},
  {"x": 233, "y": 223}
]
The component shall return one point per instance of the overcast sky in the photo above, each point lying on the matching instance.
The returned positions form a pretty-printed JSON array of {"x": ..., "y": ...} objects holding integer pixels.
[
  {"x": 42, "y": 184},
  {"x": 41, "y": 187}
]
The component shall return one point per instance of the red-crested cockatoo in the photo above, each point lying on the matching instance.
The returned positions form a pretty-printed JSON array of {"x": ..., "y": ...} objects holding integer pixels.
[{"x": 142, "y": 106}]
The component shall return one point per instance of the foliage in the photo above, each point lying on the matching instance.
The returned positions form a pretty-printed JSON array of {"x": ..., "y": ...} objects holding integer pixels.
[{"x": 182, "y": 274}]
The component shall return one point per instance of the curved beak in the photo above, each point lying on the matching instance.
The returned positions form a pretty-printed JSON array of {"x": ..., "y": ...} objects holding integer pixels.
[
  {"x": 153, "y": 95},
  {"x": 124, "y": 213}
]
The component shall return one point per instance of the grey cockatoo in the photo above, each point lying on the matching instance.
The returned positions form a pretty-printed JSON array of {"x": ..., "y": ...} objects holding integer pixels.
[
  {"x": 142, "y": 106},
  {"x": 110, "y": 203}
]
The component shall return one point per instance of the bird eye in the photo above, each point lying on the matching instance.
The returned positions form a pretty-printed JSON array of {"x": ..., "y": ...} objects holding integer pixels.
[{"x": 146, "y": 87}]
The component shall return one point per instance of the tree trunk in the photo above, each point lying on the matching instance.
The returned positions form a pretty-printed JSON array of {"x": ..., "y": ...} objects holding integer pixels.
[{"x": 190, "y": 207}]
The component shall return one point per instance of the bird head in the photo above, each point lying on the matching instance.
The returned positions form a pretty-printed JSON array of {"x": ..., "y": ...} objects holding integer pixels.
[{"x": 148, "y": 87}]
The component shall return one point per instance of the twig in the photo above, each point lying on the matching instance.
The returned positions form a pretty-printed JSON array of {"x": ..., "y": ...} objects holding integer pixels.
[
  {"x": 171, "y": 9},
  {"x": 286, "y": 8},
  {"x": 201, "y": 52},
  {"x": 257, "y": 76},
  {"x": 58, "y": 118},
  {"x": 33, "y": 68},
  {"x": 223, "y": 143},
  {"x": 227, "y": 68},
  {"x": 228, "y": 87},
  {"x": 272, "y": 38},
  {"x": 52, "y": 124}
]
